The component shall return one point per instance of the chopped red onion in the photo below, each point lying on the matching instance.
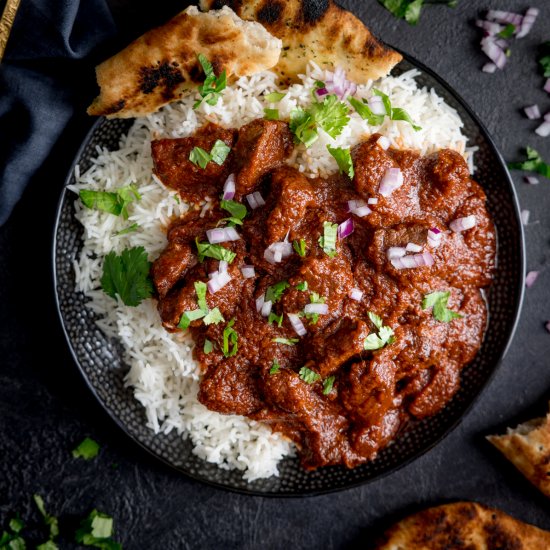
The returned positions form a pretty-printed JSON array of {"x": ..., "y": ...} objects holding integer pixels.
[
  {"x": 489, "y": 68},
  {"x": 337, "y": 83},
  {"x": 356, "y": 294},
  {"x": 544, "y": 129},
  {"x": 412, "y": 247},
  {"x": 392, "y": 180},
  {"x": 409, "y": 262},
  {"x": 322, "y": 91},
  {"x": 212, "y": 273},
  {"x": 359, "y": 208},
  {"x": 321, "y": 309},
  {"x": 276, "y": 252},
  {"x": 417, "y": 260},
  {"x": 266, "y": 308},
  {"x": 372, "y": 200},
  {"x": 345, "y": 229},
  {"x": 297, "y": 324},
  {"x": 530, "y": 278},
  {"x": 434, "y": 237},
  {"x": 490, "y": 27},
  {"x": 547, "y": 117},
  {"x": 505, "y": 17},
  {"x": 222, "y": 235},
  {"x": 255, "y": 200},
  {"x": 462, "y": 224},
  {"x": 218, "y": 281},
  {"x": 376, "y": 105},
  {"x": 531, "y": 180},
  {"x": 222, "y": 266},
  {"x": 229, "y": 188},
  {"x": 395, "y": 252},
  {"x": 532, "y": 112},
  {"x": 493, "y": 52},
  {"x": 527, "y": 23},
  {"x": 248, "y": 271},
  {"x": 383, "y": 142},
  {"x": 525, "y": 216},
  {"x": 260, "y": 303}
]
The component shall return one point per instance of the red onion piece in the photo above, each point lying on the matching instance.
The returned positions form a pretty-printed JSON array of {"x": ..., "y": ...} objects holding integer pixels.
[
  {"x": 412, "y": 247},
  {"x": 345, "y": 229},
  {"x": 528, "y": 21},
  {"x": 229, "y": 188},
  {"x": 463, "y": 224},
  {"x": 531, "y": 180},
  {"x": 222, "y": 235},
  {"x": 321, "y": 309},
  {"x": 532, "y": 112},
  {"x": 547, "y": 117},
  {"x": 417, "y": 260},
  {"x": 489, "y": 68},
  {"x": 530, "y": 278},
  {"x": 395, "y": 252},
  {"x": 493, "y": 52},
  {"x": 490, "y": 27},
  {"x": 266, "y": 308},
  {"x": 218, "y": 281},
  {"x": 337, "y": 83},
  {"x": 276, "y": 252},
  {"x": 297, "y": 324},
  {"x": 321, "y": 92},
  {"x": 359, "y": 208},
  {"x": 525, "y": 216},
  {"x": 248, "y": 271},
  {"x": 255, "y": 200},
  {"x": 409, "y": 262},
  {"x": 392, "y": 180},
  {"x": 547, "y": 86},
  {"x": 505, "y": 17},
  {"x": 260, "y": 302},
  {"x": 434, "y": 237},
  {"x": 544, "y": 129},
  {"x": 377, "y": 105},
  {"x": 356, "y": 294},
  {"x": 383, "y": 142},
  {"x": 212, "y": 273},
  {"x": 372, "y": 200},
  {"x": 222, "y": 266}
]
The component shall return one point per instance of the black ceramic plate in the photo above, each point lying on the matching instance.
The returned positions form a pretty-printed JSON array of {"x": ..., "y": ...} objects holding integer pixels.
[{"x": 100, "y": 359}]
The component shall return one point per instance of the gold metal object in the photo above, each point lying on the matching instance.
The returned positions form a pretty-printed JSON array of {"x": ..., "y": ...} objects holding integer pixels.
[{"x": 6, "y": 23}]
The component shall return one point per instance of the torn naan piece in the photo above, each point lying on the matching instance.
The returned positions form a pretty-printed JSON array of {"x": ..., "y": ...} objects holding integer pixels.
[
  {"x": 318, "y": 31},
  {"x": 162, "y": 65},
  {"x": 527, "y": 447},
  {"x": 463, "y": 525}
]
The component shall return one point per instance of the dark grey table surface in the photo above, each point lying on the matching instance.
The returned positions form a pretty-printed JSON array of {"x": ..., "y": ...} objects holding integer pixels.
[{"x": 45, "y": 408}]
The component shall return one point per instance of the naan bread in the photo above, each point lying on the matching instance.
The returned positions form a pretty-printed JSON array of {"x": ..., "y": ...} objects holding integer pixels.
[
  {"x": 465, "y": 525},
  {"x": 528, "y": 449},
  {"x": 161, "y": 65},
  {"x": 316, "y": 30}
]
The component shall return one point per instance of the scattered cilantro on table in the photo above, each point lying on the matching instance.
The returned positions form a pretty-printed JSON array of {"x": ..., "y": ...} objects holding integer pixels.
[
  {"x": 544, "y": 59},
  {"x": 50, "y": 521},
  {"x": 87, "y": 449},
  {"x": 97, "y": 530},
  {"x": 410, "y": 9},
  {"x": 534, "y": 163}
]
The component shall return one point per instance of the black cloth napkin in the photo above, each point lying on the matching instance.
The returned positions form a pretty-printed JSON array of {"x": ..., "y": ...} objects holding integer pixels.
[{"x": 46, "y": 73}]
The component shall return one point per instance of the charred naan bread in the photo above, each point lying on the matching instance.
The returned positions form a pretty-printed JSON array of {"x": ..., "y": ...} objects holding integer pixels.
[
  {"x": 463, "y": 525},
  {"x": 316, "y": 30},
  {"x": 528, "y": 449},
  {"x": 161, "y": 65}
]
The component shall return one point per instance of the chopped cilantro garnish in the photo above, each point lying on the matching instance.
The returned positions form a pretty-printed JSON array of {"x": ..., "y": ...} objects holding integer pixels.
[
  {"x": 384, "y": 337},
  {"x": 343, "y": 159},
  {"x": 508, "y": 31},
  {"x": 212, "y": 86},
  {"x": 87, "y": 449},
  {"x": 213, "y": 317},
  {"x": 127, "y": 275},
  {"x": 51, "y": 521},
  {"x": 48, "y": 545},
  {"x": 328, "y": 384},
  {"x": 309, "y": 376},
  {"x": 236, "y": 209},
  {"x": 115, "y": 203},
  {"x": 12, "y": 541},
  {"x": 534, "y": 163},
  {"x": 218, "y": 154},
  {"x": 275, "y": 292},
  {"x": 438, "y": 301},
  {"x": 200, "y": 290},
  {"x": 410, "y": 9},
  {"x": 274, "y": 97},
  {"x": 230, "y": 337},
  {"x": 275, "y": 367},
  {"x": 302, "y": 126},
  {"x": 274, "y": 318},
  {"x": 271, "y": 114},
  {"x": 215, "y": 251},
  {"x": 314, "y": 298},
  {"x": 189, "y": 316},
  {"x": 302, "y": 286},
  {"x": 365, "y": 112},
  {"x": 96, "y": 530},
  {"x": 129, "y": 229},
  {"x": 287, "y": 341},
  {"x": 328, "y": 240},
  {"x": 16, "y": 524},
  {"x": 300, "y": 247},
  {"x": 544, "y": 60},
  {"x": 199, "y": 157},
  {"x": 208, "y": 346}
]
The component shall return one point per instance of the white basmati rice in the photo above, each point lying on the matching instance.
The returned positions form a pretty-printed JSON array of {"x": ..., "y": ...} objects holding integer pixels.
[{"x": 163, "y": 374}]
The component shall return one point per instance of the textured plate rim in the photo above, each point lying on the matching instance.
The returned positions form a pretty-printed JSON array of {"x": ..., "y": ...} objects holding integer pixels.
[{"x": 498, "y": 363}]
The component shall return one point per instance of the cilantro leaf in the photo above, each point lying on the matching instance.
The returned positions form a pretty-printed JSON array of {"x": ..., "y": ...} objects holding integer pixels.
[
  {"x": 438, "y": 301},
  {"x": 48, "y": 545},
  {"x": 212, "y": 86},
  {"x": 87, "y": 449},
  {"x": 534, "y": 163},
  {"x": 129, "y": 229},
  {"x": 328, "y": 240},
  {"x": 331, "y": 115},
  {"x": 215, "y": 251},
  {"x": 51, "y": 521},
  {"x": 365, "y": 112},
  {"x": 16, "y": 524},
  {"x": 213, "y": 317},
  {"x": 128, "y": 276},
  {"x": 208, "y": 346},
  {"x": 300, "y": 247},
  {"x": 199, "y": 157},
  {"x": 274, "y": 97},
  {"x": 275, "y": 292},
  {"x": 219, "y": 152},
  {"x": 376, "y": 320},
  {"x": 395, "y": 113},
  {"x": 236, "y": 209},
  {"x": 115, "y": 203},
  {"x": 96, "y": 530},
  {"x": 410, "y": 9},
  {"x": 287, "y": 341},
  {"x": 275, "y": 367},
  {"x": 544, "y": 60},
  {"x": 303, "y": 126},
  {"x": 328, "y": 384},
  {"x": 230, "y": 336},
  {"x": 274, "y": 318},
  {"x": 189, "y": 316},
  {"x": 309, "y": 376},
  {"x": 508, "y": 31},
  {"x": 343, "y": 159},
  {"x": 200, "y": 290},
  {"x": 271, "y": 114},
  {"x": 384, "y": 336},
  {"x": 302, "y": 286},
  {"x": 12, "y": 541}
]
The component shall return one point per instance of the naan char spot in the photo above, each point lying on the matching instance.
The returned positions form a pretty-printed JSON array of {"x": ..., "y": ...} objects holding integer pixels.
[
  {"x": 161, "y": 66},
  {"x": 317, "y": 30}
]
